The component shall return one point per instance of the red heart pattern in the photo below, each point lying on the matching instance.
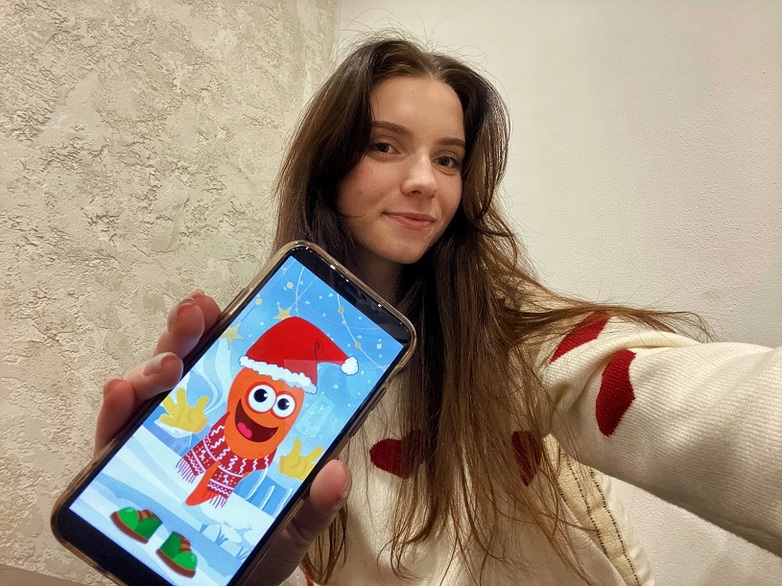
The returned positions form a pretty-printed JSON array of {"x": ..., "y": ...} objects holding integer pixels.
[
  {"x": 387, "y": 455},
  {"x": 616, "y": 392},
  {"x": 586, "y": 331},
  {"x": 613, "y": 400}
]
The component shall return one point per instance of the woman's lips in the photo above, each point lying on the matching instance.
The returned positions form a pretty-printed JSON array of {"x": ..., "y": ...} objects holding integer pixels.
[{"x": 412, "y": 220}]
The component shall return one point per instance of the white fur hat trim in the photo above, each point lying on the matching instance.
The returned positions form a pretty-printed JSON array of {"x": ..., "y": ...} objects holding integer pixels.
[
  {"x": 294, "y": 379},
  {"x": 350, "y": 366}
]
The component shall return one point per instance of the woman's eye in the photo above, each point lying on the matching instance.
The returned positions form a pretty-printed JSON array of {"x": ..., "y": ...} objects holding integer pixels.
[
  {"x": 381, "y": 147},
  {"x": 284, "y": 406},
  {"x": 262, "y": 398},
  {"x": 449, "y": 162}
]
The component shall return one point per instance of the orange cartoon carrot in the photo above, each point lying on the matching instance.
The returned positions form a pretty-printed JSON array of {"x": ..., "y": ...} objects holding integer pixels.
[{"x": 264, "y": 401}]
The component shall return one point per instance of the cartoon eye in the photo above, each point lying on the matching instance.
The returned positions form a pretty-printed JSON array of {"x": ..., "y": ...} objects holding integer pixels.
[
  {"x": 262, "y": 398},
  {"x": 284, "y": 406}
]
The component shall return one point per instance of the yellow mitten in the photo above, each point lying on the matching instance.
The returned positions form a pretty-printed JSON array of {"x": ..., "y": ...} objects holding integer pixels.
[
  {"x": 181, "y": 415},
  {"x": 297, "y": 466}
]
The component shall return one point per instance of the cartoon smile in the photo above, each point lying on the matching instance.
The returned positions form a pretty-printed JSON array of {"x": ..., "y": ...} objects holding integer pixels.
[{"x": 249, "y": 428}]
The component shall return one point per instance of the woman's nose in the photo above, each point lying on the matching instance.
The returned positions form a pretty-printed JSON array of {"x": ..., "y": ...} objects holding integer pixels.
[{"x": 420, "y": 179}]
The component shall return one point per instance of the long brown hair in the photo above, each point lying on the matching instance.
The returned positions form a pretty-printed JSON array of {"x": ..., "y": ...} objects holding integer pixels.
[{"x": 479, "y": 311}]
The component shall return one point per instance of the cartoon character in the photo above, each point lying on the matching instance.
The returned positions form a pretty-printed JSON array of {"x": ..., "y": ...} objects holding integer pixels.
[{"x": 264, "y": 401}]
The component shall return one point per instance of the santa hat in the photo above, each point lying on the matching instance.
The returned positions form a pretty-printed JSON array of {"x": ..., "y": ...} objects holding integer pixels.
[{"x": 291, "y": 350}]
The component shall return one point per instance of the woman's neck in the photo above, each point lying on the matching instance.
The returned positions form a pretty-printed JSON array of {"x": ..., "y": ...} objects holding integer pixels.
[{"x": 381, "y": 275}]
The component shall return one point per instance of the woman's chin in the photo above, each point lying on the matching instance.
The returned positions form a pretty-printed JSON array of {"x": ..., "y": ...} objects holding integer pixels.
[{"x": 408, "y": 257}]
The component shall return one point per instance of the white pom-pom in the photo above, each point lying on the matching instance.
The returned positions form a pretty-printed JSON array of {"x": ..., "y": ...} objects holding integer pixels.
[{"x": 350, "y": 366}]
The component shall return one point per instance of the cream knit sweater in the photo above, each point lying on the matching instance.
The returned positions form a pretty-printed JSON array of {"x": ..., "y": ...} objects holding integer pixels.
[{"x": 699, "y": 425}]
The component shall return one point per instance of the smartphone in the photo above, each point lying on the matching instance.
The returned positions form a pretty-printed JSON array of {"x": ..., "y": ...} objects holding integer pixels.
[{"x": 197, "y": 485}]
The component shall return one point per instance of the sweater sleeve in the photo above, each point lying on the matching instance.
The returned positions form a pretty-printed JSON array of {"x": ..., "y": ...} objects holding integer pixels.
[{"x": 697, "y": 424}]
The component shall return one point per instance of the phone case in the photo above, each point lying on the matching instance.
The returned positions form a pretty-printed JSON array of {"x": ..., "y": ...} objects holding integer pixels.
[{"x": 198, "y": 484}]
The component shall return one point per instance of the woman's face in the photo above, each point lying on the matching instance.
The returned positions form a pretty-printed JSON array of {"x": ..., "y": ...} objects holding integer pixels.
[{"x": 398, "y": 200}]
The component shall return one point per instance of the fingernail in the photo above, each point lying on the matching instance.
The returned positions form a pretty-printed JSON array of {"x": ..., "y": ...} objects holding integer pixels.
[
  {"x": 111, "y": 384},
  {"x": 173, "y": 315},
  {"x": 155, "y": 365},
  {"x": 343, "y": 496},
  {"x": 197, "y": 293}
]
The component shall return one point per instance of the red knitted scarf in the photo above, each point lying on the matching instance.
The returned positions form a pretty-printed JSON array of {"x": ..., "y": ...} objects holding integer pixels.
[{"x": 231, "y": 469}]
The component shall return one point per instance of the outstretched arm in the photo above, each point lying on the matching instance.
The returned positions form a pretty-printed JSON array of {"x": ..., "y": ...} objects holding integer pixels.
[{"x": 699, "y": 425}]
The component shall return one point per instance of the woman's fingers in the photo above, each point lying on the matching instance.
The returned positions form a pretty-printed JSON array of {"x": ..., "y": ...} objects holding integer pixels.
[
  {"x": 208, "y": 306},
  {"x": 187, "y": 322},
  {"x": 158, "y": 374},
  {"x": 118, "y": 404},
  {"x": 327, "y": 495},
  {"x": 122, "y": 396}
]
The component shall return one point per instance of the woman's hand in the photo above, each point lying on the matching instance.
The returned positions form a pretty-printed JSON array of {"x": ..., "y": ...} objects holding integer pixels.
[{"x": 187, "y": 322}]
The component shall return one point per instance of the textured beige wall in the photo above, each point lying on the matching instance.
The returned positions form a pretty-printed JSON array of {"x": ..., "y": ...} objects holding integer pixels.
[{"x": 138, "y": 143}]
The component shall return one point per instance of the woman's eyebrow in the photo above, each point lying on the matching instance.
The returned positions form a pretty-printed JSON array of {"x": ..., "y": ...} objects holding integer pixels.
[
  {"x": 396, "y": 128},
  {"x": 402, "y": 130},
  {"x": 457, "y": 142}
]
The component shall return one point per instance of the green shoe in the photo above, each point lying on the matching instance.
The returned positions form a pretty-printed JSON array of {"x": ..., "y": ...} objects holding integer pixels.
[
  {"x": 140, "y": 525},
  {"x": 177, "y": 554}
]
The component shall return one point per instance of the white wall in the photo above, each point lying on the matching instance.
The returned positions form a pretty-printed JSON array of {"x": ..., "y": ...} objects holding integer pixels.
[{"x": 646, "y": 168}]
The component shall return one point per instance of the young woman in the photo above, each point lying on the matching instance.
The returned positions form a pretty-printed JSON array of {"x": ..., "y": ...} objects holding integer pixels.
[{"x": 456, "y": 477}]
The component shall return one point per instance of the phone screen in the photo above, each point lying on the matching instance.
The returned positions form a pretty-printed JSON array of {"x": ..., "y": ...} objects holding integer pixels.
[{"x": 200, "y": 483}]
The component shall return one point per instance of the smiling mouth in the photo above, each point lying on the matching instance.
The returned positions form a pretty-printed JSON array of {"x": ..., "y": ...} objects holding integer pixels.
[
  {"x": 414, "y": 221},
  {"x": 249, "y": 429}
]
